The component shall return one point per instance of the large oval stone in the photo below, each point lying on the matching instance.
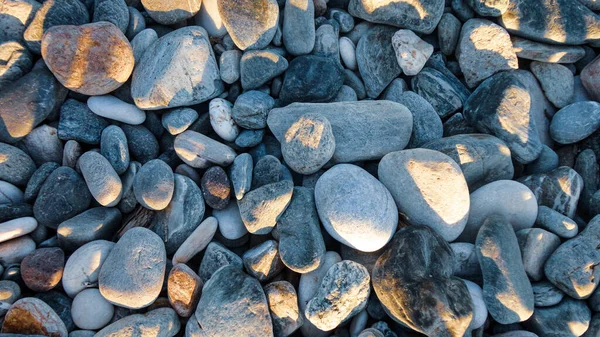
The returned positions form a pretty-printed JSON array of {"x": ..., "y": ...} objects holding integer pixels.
[
  {"x": 418, "y": 15},
  {"x": 251, "y": 24},
  {"x": 32, "y": 316}
]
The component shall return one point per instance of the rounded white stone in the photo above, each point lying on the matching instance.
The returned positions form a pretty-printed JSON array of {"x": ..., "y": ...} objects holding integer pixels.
[
  {"x": 82, "y": 267},
  {"x": 17, "y": 227},
  {"x": 113, "y": 108},
  {"x": 411, "y": 51},
  {"x": 220, "y": 119},
  {"x": 90, "y": 311},
  {"x": 348, "y": 53}
]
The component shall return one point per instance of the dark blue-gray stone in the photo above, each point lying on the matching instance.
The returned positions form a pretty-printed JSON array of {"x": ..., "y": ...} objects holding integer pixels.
[
  {"x": 251, "y": 109},
  {"x": 178, "y": 120},
  {"x": 570, "y": 318},
  {"x": 586, "y": 164},
  {"x": 312, "y": 78},
  {"x": 376, "y": 59},
  {"x": 113, "y": 147},
  {"x": 63, "y": 195},
  {"x": 78, "y": 122},
  {"x": 15, "y": 61},
  {"x": 113, "y": 11},
  {"x": 575, "y": 122},
  {"x": 443, "y": 94},
  {"x": 457, "y": 125},
  {"x": 249, "y": 138},
  {"x": 266, "y": 171},
  {"x": 326, "y": 42},
  {"x": 142, "y": 144},
  {"x": 241, "y": 174},
  {"x": 99, "y": 223},
  {"x": 136, "y": 24},
  {"x": 153, "y": 123},
  {"x": 345, "y": 20},
  {"x": 257, "y": 67},
  {"x": 16, "y": 166},
  {"x": 427, "y": 125},
  {"x": 215, "y": 257},
  {"x": 352, "y": 80},
  {"x": 14, "y": 211},
  {"x": 299, "y": 26},
  {"x": 37, "y": 180},
  {"x": 545, "y": 294},
  {"x": 546, "y": 162}
]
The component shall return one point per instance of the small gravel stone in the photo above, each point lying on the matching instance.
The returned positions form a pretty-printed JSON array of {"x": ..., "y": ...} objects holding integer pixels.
[
  {"x": 411, "y": 51},
  {"x": 42, "y": 270},
  {"x": 260, "y": 208},
  {"x": 197, "y": 241},
  {"x": 257, "y": 67},
  {"x": 299, "y": 26},
  {"x": 448, "y": 33},
  {"x": 221, "y": 119},
  {"x": 78, "y": 122},
  {"x": 556, "y": 80},
  {"x": 569, "y": 318},
  {"x": 312, "y": 78},
  {"x": 162, "y": 320},
  {"x": 83, "y": 266},
  {"x": 575, "y": 122},
  {"x": 16, "y": 60},
  {"x": 536, "y": 247},
  {"x": 229, "y": 64},
  {"x": 556, "y": 223},
  {"x": 537, "y": 51},
  {"x": 545, "y": 294},
  {"x": 283, "y": 306},
  {"x": 251, "y": 25}
]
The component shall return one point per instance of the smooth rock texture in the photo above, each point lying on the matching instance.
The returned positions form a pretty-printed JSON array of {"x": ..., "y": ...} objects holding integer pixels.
[
  {"x": 111, "y": 107},
  {"x": 506, "y": 289},
  {"x": 545, "y": 294},
  {"x": 257, "y": 67},
  {"x": 16, "y": 61},
  {"x": 32, "y": 316},
  {"x": 262, "y": 262},
  {"x": 90, "y": 310},
  {"x": 569, "y": 318},
  {"x": 251, "y": 109},
  {"x": 311, "y": 78},
  {"x": 161, "y": 322},
  {"x": 113, "y": 11},
  {"x": 215, "y": 257},
  {"x": 93, "y": 224},
  {"x": 78, "y": 122},
  {"x": 537, "y": 51},
  {"x": 575, "y": 122},
  {"x": 299, "y": 26},
  {"x": 42, "y": 270},
  {"x": 196, "y": 149},
  {"x": 556, "y": 223},
  {"x": 221, "y": 121},
  {"x": 251, "y": 24},
  {"x": 414, "y": 178},
  {"x": 82, "y": 66},
  {"x": 557, "y": 82},
  {"x": 216, "y": 187},
  {"x": 355, "y": 208},
  {"x": 168, "y": 13},
  {"x": 261, "y": 208},
  {"x": 101, "y": 178},
  {"x": 179, "y": 69},
  {"x": 427, "y": 125},
  {"x": 197, "y": 241},
  {"x": 184, "y": 288},
  {"x": 365, "y": 130},
  {"x": 420, "y": 16},
  {"x": 536, "y": 247},
  {"x": 17, "y": 227},
  {"x": 283, "y": 306},
  {"x": 142, "y": 255},
  {"x": 154, "y": 185},
  {"x": 445, "y": 94},
  {"x": 83, "y": 266},
  {"x": 15, "y": 250}
]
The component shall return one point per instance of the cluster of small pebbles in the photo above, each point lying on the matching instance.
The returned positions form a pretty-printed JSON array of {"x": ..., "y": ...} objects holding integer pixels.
[{"x": 301, "y": 168}]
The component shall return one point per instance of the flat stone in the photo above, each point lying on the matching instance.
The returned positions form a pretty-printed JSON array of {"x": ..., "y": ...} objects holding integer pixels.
[
  {"x": 250, "y": 138},
  {"x": 569, "y": 318},
  {"x": 10, "y": 212},
  {"x": 195, "y": 149},
  {"x": 168, "y": 13},
  {"x": 258, "y": 67},
  {"x": 99, "y": 223},
  {"x": 537, "y": 51},
  {"x": 346, "y": 198},
  {"x": 43, "y": 145},
  {"x": 111, "y": 107},
  {"x": 78, "y": 122},
  {"x": 283, "y": 306},
  {"x": 231, "y": 293},
  {"x": 241, "y": 174},
  {"x": 501, "y": 106},
  {"x": 263, "y": 262},
  {"x": 376, "y": 58},
  {"x": 430, "y": 176},
  {"x": 32, "y": 316},
  {"x": 348, "y": 53},
  {"x": 261, "y": 208},
  {"x": 251, "y": 25},
  {"x": 63, "y": 195},
  {"x": 113, "y": 11},
  {"x": 197, "y": 241},
  {"x": 16, "y": 228},
  {"x": 161, "y": 322},
  {"x": 506, "y": 289},
  {"x": 101, "y": 178},
  {"x": 251, "y": 109},
  {"x": 536, "y": 247},
  {"x": 216, "y": 257},
  {"x": 183, "y": 288},
  {"x": 113, "y": 147},
  {"x": 556, "y": 223},
  {"x": 342, "y": 294},
  {"x": 15, "y": 250},
  {"x": 546, "y": 21},
  {"x": 178, "y": 120},
  {"x": 364, "y": 130},
  {"x": 50, "y": 14},
  {"x": 311, "y": 78},
  {"x": 545, "y": 294},
  {"x": 68, "y": 53},
  {"x": 411, "y": 51},
  {"x": 420, "y": 16},
  {"x": 556, "y": 80},
  {"x": 141, "y": 42},
  {"x": 408, "y": 278},
  {"x": 507, "y": 198},
  {"x": 589, "y": 77},
  {"x": 179, "y": 69},
  {"x": 15, "y": 16},
  {"x": 575, "y": 122},
  {"x": 154, "y": 185},
  {"x": 229, "y": 65},
  {"x": 83, "y": 266},
  {"x": 16, "y": 60},
  {"x": 142, "y": 144},
  {"x": 484, "y": 48},
  {"x": 299, "y": 26},
  {"x": 141, "y": 253},
  {"x": 36, "y": 95},
  {"x": 449, "y": 33},
  {"x": 71, "y": 153}
]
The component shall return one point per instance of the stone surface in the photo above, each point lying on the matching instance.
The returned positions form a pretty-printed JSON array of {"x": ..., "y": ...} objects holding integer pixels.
[
  {"x": 43, "y": 145},
  {"x": 17, "y": 227},
  {"x": 311, "y": 78},
  {"x": 444, "y": 94},
  {"x": 376, "y": 59},
  {"x": 283, "y": 306},
  {"x": 501, "y": 106},
  {"x": 221, "y": 121},
  {"x": 162, "y": 322},
  {"x": 15, "y": 16},
  {"x": 420, "y": 16},
  {"x": 111, "y": 107},
  {"x": 261, "y": 208},
  {"x": 427, "y": 125},
  {"x": 545, "y": 294},
  {"x": 365, "y": 130},
  {"x": 229, "y": 64},
  {"x": 508, "y": 198},
  {"x": 414, "y": 178},
  {"x": 536, "y": 247},
  {"x": 355, "y": 208},
  {"x": 42, "y": 270},
  {"x": 569, "y": 318},
  {"x": 196, "y": 149},
  {"x": 178, "y": 70},
  {"x": 215, "y": 257},
  {"x": 168, "y": 13},
  {"x": 263, "y": 262},
  {"x": 142, "y": 255},
  {"x": 154, "y": 185},
  {"x": 90, "y": 310},
  {"x": 415, "y": 285},
  {"x": 299, "y": 26},
  {"x": 101, "y": 178},
  {"x": 16, "y": 60},
  {"x": 78, "y": 122},
  {"x": 83, "y": 266},
  {"x": 556, "y": 223},
  {"x": 575, "y": 122},
  {"x": 216, "y": 187},
  {"x": 411, "y": 51},
  {"x": 231, "y": 293},
  {"x": 141, "y": 42},
  {"x": 484, "y": 48},
  {"x": 537, "y": 51},
  {"x": 113, "y": 11},
  {"x": 86, "y": 67},
  {"x": 113, "y": 147},
  {"x": 241, "y": 174},
  {"x": 93, "y": 224},
  {"x": 489, "y": 7},
  {"x": 15, "y": 250},
  {"x": 251, "y": 109},
  {"x": 31, "y": 316},
  {"x": 197, "y": 241},
  {"x": 257, "y": 67},
  {"x": 184, "y": 288},
  {"x": 556, "y": 80},
  {"x": 506, "y": 289},
  {"x": 251, "y": 25}
]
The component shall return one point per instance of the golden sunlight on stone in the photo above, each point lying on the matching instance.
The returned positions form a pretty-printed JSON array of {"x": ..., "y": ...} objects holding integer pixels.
[{"x": 373, "y": 5}]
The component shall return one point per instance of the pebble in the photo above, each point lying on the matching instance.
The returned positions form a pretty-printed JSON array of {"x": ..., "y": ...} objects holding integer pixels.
[
  {"x": 15, "y": 17},
  {"x": 63, "y": 44},
  {"x": 113, "y": 147},
  {"x": 197, "y": 240},
  {"x": 229, "y": 64},
  {"x": 42, "y": 270},
  {"x": 411, "y": 52},
  {"x": 507, "y": 291},
  {"x": 9, "y": 292},
  {"x": 10, "y": 194},
  {"x": 352, "y": 220},
  {"x": 337, "y": 301},
  {"x": 427, "y": 125},
  {"x": 101, "y": 178},
  {"x": 43, "y": 145},
  {"x": 466, "y": 264},
  {"x": 484, "y": 48},
  {"x": 93, "y": 224},
  {"x": 111, "y": 107},
  {"x": 376, "y": 59},
  {"x": 154, "y": 185},
  {"x": 251, "y": 109},
  {"x": 480, "y": 312},
  {"x": 192, "y": 76},
  {"x": 16, "y": 228},
  {"x": 71, "y": 153},
  {"x": 15, "y": 250},
  {"x": 283, "y": 306},
  {"x": 161, "y": 322},
  {"x": 216, "y": 257},
  {"x": 142, "y": 144},
  {"x": 141, "y": 42},
  {"x": 31, "y": 316},
  {"x": 50, "y": 14},
  {"x": 448, "y": 33},
  {"x": 142, "y": 254},
  {"x": 407, "y": 277},
  {"x": 251, "y": 25},
  {"x": 326, "y": 41},
  {"x": 17, "y": 167},
  {"x": 258, "y": 67},
  {"x": 195, "y": 149},
  {"x": 489, "y": 7},
  {"x": 364, "y": 130},
  {"x": 135, "y": 25},
  {"x": 546, "y": 162},
  {"x": 216, "y": 188},
  {"x": 440, "y": 91},
  {"x": 536, "y": 247},
  {"x": 63, "y": 195},
  {"x": 537, "y": 51},
  {"x": 210, "y": 19},
  {"x": 507, "y": 198},
  {"x": 348, "y": 53},
  {"x": 16, "y": 61},
  {"x": 78, "y": 122},
  {"x": 299, "y": 26},
  {"x": 171, "y": 12},
  {"x": 419, "y": 171},
  {"x": 312, "y": 78},
  {"x": 90, "y": 310},
  {"x": 234, "y": 294},
  {"x": 183, "y": 288},
  {"x": 557, "y": 82},
  {"x": 241, "y": 174},
  {"x": 267, "y": 170},
  {"x": 500, "y": 106},
  {"x": 221, "y": 120},
  {"x": 575, "y": 122},
  {"x": 263, "y": 262},
  {"x": 250, "y": 138},
  {"x": 113, "y": 11},
  {"x": 417, "y": 15},
  {"x": 555, "y": 222},
  {"x": 569, "y": 318},
  {"x": 545, "y": 294},
  {"x": 83, "y": 266},
  {"x": 261, "y": 207}
]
